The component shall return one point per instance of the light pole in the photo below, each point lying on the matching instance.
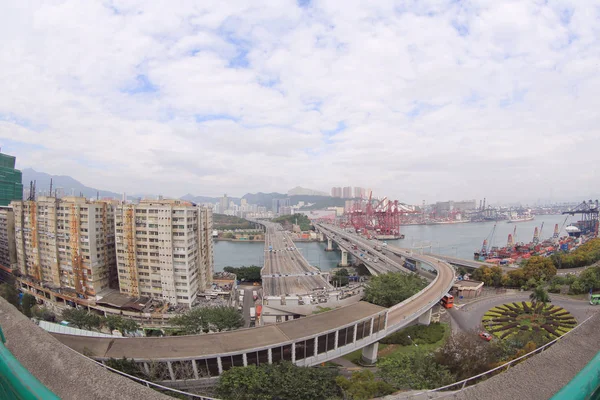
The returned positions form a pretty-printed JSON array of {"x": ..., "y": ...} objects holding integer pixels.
[{"x": 412, "y": 341}]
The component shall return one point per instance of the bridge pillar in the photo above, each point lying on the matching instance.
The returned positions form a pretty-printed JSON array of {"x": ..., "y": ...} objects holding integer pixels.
[
  {"x": 329, "y": 245},
  {"x": 369, "y": 354},
  {"x": 425, "y": 319},
  {"x": 344, "y": 262}
]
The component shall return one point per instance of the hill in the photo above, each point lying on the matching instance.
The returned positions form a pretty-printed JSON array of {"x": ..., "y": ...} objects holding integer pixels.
[
  {"x": 263, "y": 199},
  {"x": 299, "y": 191},
  {"x": 69, "y": 184}
]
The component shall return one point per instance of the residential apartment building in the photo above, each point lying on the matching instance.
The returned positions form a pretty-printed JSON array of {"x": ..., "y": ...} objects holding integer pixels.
[
  {"x": 8, "y": 249},
  {"x": 67, "y": 243},
  {"x": 347, "y": 192},
  {"x": 164, "y": 250},
  {"x": 336, "y": 191}
]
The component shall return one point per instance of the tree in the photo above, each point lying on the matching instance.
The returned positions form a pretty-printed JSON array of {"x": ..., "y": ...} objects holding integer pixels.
[
  {"x": 27, "y": 303},
  {"x": 414, "y": 370},
  {"x": 392, "y": 288},
  {"x": 112, "y": 322},
  {"x": 9, "y": 293},
  {"x": 128, "y": 326},
  {"x": 81, "y": 318},
  {"x": 539, "y": 268},
  {"x": 539, "y": 295},
  {"x": 206, "y": 319},
  {"x": 363, "y": 386},
  {"x": 277, "y": 381},
  {"x": 250, "y": 274},
  {"x": 341, "y": 277},
  {"x": 466, "y": 355},
  {"x": 44, "y": 314}
]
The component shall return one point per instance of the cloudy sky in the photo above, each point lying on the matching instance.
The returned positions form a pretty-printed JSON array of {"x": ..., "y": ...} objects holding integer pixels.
[{"x": 418, "y": 100}]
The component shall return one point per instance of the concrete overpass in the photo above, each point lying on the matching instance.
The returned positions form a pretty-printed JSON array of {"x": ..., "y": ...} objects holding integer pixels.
[
  {"x": 186, "y": 360},
  {"x": 286, "y": 271}
]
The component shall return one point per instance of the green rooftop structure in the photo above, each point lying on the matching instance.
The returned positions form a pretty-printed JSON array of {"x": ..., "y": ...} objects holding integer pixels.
[{"x": 11, "y": 187}]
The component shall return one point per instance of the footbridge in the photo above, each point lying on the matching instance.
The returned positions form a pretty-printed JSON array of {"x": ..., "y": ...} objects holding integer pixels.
[{"x": 183, "y": 361}]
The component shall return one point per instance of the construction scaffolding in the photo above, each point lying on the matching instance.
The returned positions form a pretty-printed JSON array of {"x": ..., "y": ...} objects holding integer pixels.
[
  {"x": 129, "y": 230},
  {"x": 79, "y": 279}
]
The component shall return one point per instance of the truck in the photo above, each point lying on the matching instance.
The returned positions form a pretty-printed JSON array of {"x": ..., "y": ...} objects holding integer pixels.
[
  {"x": 255, "y": 295},
  {"x": 252, "y": 314},
  {"x": 241, "y": 292},
  {"x": 377, "y": 247}
]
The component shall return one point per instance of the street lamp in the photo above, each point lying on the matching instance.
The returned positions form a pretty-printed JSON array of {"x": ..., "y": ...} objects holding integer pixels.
[{"x": 416, "y": 345}]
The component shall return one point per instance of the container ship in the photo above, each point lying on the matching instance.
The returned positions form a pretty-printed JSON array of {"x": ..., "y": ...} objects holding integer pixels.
[{"x": 520, "y": 218}]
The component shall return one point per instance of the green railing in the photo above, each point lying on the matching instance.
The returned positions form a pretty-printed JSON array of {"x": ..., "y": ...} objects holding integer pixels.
[
  {"x": 16, "y": 382},
  {"x": 585, "y": 385}
]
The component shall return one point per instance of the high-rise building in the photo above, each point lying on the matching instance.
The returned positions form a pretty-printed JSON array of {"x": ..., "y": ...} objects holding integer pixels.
[
  {"x": 359, "y": 192},
  {"x": 224, "y": 204},
  {"x": 336, "y": 192},
  {"x": 66, "y": 243},
  {"x": 243, "y": 202},
  {"x": 278, "y": 203},
  {"x": 164, "y": 250},
  {"x": 347, "y": 192},
  {"x": 8, "y": 249},
  {"x": 11, "y": 187}
]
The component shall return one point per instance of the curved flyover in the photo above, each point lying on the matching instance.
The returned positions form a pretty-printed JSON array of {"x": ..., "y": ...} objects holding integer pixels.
[{"x": 307, "y": 341}]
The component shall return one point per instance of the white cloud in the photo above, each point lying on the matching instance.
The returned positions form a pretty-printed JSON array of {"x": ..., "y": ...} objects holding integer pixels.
[{"x": 437, "y": 99}]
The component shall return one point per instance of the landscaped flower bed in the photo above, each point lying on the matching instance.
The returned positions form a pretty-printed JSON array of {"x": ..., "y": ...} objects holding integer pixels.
[{"x": 508, "y": 319}]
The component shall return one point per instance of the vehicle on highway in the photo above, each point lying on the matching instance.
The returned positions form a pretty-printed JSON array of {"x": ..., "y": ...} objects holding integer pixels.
[
  {"x": 447, "y": 301},
  {"x": 252, "y": 314},
  {"x": 485, "y": 336},
  {"x": 595, "y": 299}
]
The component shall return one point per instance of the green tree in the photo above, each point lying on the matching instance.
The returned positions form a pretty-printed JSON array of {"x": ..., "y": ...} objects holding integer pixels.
[
  {"x": 392, "y": 288},
  {"x": 43, "y": 313},
  {"x": 81, "y": 318},
  {"x": 27, "y": 303},
  {"x": 9, "y": 293},
  {"x": 277, "y": 381},
  {"x": 341, "y": 277},
  {"x": 128, "y": 326},
  {"x": 362, "y": 385},
  {"x": 539, "y": 295},
  {"x": 414, "y": 370},
  {"x": 206, "y": 319},
  {"x": 112, "y": 322},
  {"x": 539, "y": 268},
  {"x": 250, "y": 274}
]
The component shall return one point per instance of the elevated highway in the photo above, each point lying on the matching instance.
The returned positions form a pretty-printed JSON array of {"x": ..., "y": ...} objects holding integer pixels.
[
  {"x": 307, "y": 341},
  {"x": 286, "y": 271}
]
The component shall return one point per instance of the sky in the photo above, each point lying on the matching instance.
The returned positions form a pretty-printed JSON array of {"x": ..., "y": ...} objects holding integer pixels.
[{"x": 419, "y": 100}]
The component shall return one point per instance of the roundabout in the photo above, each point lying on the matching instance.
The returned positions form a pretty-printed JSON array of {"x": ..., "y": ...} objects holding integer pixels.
[{"x": 545, "y": 321}]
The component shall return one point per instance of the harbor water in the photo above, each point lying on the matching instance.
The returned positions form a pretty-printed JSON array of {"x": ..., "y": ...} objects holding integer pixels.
[{"x": 459, "y": 240}]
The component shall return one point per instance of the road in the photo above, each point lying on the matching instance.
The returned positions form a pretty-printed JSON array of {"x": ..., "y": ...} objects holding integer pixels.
[
  {"x": 248, "y": 303},
  {"x": 286, "y": 271},
  {"x": 469, "y": 317}
]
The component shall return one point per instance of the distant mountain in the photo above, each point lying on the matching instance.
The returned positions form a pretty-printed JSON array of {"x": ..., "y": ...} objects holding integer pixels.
[
  {"x": 263, "y": 199},
  {"x": 70, "y": 185},
  {"x": 207, "y": 199},
  {"x": 300, "y": 191}
]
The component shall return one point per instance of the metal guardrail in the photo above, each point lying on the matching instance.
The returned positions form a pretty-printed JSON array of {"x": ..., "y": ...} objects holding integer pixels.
[{"x": 464, "y": 382}]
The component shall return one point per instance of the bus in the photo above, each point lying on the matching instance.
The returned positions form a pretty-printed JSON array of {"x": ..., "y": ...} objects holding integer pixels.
[
  {"x": 447, "y": 301},
  {"x": 595, "y": 299}
]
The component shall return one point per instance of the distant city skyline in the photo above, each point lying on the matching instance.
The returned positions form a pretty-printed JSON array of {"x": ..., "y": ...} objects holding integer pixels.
[{"x": 434, "y": 100}]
